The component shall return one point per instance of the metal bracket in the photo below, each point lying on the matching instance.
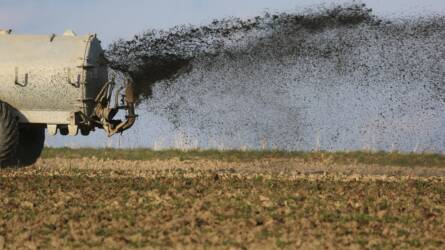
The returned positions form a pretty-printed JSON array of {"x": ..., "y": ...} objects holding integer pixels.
[
  {"x": 73, "y": 130},
  {"x": 74, "y": 84},
  {"x": 16, "y": 81},
  {"x": 52, "y": 129}
]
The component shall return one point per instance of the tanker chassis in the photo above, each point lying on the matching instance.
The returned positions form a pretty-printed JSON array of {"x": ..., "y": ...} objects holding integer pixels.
[{"x": 59, "y": 83}]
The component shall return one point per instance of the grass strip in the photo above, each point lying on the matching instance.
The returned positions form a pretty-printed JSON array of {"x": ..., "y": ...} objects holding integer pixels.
[{"x": 356, "y": 157}]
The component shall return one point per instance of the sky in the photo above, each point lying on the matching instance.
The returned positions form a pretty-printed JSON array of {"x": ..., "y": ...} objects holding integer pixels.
[{"x": 114, "y": 19}]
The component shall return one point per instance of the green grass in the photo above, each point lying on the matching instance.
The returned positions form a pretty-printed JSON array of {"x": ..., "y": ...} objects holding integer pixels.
[{"x": 358, "y": 157}]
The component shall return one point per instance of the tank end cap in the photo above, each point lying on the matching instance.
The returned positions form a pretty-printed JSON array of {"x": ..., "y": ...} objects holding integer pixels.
[{"x": 69, "y": 32}]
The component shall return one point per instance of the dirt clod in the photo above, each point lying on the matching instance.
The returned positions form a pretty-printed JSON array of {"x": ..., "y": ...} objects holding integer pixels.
[{"x": 273, "y": 204}]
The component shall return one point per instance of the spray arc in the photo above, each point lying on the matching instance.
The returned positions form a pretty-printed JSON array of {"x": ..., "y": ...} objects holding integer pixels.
[{"x": 333, "y": 79}]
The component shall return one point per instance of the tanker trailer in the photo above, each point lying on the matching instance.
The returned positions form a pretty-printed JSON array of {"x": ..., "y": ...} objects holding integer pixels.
[{"x": 59, "y": 83}]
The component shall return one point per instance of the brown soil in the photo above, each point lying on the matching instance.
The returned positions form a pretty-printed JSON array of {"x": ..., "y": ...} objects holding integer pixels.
[{"x": 269, "y": 203}]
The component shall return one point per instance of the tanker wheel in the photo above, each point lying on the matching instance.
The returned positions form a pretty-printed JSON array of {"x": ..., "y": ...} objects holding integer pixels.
[
  {"x": 31, "y": 142},
  {"x": 9, "y": 136}
]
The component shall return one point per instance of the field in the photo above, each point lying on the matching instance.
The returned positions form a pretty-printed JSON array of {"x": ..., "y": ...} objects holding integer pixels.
[{"x": 115, "y": 199}]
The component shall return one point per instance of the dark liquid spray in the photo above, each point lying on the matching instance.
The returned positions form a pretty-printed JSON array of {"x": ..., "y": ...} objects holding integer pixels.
[{"x": 335, "y": 79}]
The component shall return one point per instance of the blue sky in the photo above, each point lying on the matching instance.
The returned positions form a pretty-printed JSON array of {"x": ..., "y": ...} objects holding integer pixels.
[{"x": 113, "y": 19}]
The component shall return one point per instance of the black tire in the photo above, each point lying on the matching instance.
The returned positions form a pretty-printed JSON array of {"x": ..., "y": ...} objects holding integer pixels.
[
  {"x": 9, "y": 136},
  {"x": 31, "y": 143}
]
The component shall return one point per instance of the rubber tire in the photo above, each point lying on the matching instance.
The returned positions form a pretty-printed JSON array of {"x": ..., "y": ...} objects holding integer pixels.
[
  {"x": 9, "y": 136},
  {"x": 31, "y": 143}
]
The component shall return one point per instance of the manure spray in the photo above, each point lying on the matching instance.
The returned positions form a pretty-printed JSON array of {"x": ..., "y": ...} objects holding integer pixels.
[{"x": 333, "y": 79}]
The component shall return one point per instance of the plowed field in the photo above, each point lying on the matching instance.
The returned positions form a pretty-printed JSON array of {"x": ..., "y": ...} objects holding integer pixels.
[{"x": 272, "y": 202}]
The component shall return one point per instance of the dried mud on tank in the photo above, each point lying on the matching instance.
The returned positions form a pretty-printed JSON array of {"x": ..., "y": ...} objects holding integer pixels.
[{"x": 269, "y": 203}]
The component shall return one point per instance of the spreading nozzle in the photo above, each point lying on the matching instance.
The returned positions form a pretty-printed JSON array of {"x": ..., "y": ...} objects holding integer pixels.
[{"x": 106, "y": 114}]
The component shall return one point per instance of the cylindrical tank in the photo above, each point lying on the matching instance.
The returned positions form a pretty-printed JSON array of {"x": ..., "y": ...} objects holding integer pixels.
[{"x": 48, "y": 79}]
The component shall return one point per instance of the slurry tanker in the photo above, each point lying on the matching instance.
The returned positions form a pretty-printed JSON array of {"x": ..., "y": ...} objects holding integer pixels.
[{"x": 59, "y": 83}]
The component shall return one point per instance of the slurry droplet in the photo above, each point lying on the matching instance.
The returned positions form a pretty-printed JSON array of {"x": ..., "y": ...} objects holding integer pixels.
[{"x": 332, "y": 79}]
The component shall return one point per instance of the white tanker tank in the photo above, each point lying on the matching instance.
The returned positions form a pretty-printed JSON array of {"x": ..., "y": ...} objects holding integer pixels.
[{"x": 57, "y": 82}]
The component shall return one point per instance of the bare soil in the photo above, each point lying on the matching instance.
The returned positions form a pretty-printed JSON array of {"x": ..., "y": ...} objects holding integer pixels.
[{"x": 270, "y": 203}]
